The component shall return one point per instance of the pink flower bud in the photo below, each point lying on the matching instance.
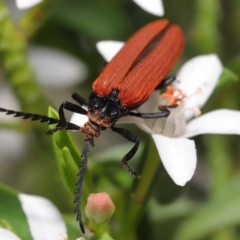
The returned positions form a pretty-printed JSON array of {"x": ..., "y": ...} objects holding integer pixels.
[{"x": 99, "y": 208}]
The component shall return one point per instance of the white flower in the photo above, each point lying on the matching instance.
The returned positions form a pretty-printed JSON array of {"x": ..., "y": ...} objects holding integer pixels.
[
  {"x": 196, "y": 81},
  {"x": 22, "y": 4},
  {"x": 154, "y": 7},
  {"x": 44, "y": 220},
  {"x": 6, "y": 234},
  {"x": 178, "y": 154}
]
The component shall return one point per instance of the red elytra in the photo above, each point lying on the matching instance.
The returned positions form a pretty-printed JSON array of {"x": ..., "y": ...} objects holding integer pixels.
[{"x": 136, "y": 84}]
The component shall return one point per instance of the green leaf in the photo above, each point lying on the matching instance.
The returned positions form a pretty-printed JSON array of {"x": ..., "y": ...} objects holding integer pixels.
[
  {"x": 12, "y": 216},
  {"x": 234, "y": 64},
  {"x": 63, "y": 139},
  {"x": 67, "y": 155},
  {"x": 221, "y": 211},
  {"x": 68, "y": 159},
  {"x": 228, "y": 77},
  {"x": 70, "y": 170}
]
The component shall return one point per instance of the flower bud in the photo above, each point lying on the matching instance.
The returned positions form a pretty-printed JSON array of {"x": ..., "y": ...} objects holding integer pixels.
[{"x": 99, "y": 208}]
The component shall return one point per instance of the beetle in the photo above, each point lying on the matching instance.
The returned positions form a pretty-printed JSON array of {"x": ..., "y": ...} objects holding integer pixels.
[{"x": 126, "y": 82}]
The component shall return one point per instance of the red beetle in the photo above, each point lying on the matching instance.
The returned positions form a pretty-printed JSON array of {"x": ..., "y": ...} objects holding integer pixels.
[{"x": 127, "y": 81}]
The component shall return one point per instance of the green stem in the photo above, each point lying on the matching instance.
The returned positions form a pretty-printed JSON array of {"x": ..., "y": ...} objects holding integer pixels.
[
  {"x": 142, "y": 191},
  {"x": 205, "y": 27},
  {"x": 16, "y": 67},
  {"x": 219, "y": 162}
]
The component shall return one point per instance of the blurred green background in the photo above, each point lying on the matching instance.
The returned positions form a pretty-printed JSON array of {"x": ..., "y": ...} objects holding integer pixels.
[{"x": 208, "y": 207}]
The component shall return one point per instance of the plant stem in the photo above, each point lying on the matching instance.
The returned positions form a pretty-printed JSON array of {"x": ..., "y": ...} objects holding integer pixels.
[
  {"x": 142, "y": 191},
  {"x": 16, "y": 67}
]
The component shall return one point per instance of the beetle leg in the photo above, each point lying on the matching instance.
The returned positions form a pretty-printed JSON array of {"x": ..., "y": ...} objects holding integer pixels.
[
  {"x": 166, "y": 81},
  {"x": 132, "y": 138},
  {"x": 63, "y": 124},
  {"x": 165, "y": 108},
  {"x": 79, "y": 99},
  {"x": 70, "y": 107},
  {"x": 163, "y": 114}
]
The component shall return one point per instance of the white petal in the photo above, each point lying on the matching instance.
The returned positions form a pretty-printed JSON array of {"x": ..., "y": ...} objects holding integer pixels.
[
  {"x": 154, "y": 7},
  {"x": 178, "y": 156},
  {"x": 44, "y": 219},
  {"x": 6, "y": 234},
  {"x": 202, "y": 72},
  {"x": 140, "y": 122},
  {"x": 55, "y": 68},
  {"x": 151, "y": 104},
  {"x": 21, "y": 4},
  {"x": 108, "y": 49},
  {"x": 222, "y": 121},
  {"x": 79, "y": 119}
]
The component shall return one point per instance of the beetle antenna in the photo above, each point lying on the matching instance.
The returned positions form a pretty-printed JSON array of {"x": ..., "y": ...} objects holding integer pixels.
[
  {"x": 31, "y": 116},
  {"x": 79, "y": 183}
]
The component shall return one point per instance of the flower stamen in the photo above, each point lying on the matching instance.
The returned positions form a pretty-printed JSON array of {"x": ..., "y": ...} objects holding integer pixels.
[
  {"x": 197, "y": 91},
  {"x": 196, "y": 111},
  {"x": 174, "y": 97}
]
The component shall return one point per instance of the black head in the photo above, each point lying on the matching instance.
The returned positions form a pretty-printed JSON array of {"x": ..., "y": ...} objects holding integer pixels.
[{"x": 109, "y": 105}]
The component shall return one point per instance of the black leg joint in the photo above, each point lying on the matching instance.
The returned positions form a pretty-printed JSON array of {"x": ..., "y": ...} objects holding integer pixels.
[
  {"x": 72, "y": 108},
  {"x": 63, "y": 124},
  {"x": 132, "y": 138},
  {"x": 163, "y": 114},
  {"x": 79, "y": 99}
]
